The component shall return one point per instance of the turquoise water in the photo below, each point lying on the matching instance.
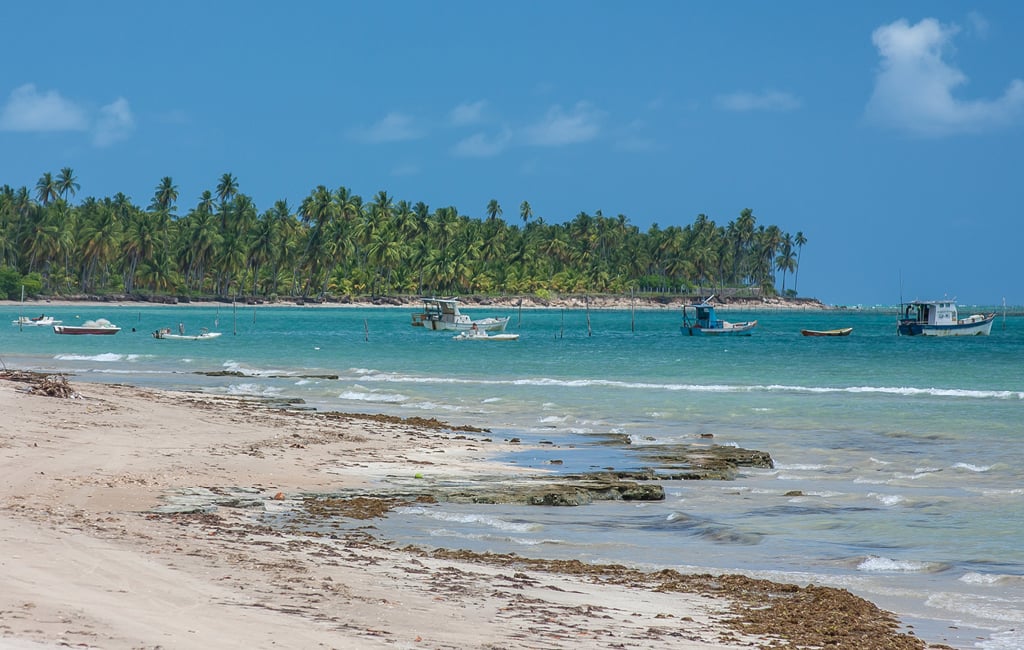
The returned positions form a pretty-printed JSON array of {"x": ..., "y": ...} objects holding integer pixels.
[{"x": 908, "y": 451}]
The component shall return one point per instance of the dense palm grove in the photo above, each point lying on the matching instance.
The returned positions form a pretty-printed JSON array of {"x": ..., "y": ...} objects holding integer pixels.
[{"x": 335, "y": 244}]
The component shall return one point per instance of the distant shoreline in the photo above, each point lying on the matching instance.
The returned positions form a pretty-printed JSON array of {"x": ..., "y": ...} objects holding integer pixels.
[{"x": 575, "y": 301}]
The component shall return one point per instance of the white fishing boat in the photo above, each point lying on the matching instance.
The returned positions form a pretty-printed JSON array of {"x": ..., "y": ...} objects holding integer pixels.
[
  {"x": 38, "y": 321},
  {"x": 98, "y": 326},
  {"x": 940, "y": 318},
  {"x": 166, "y": 334},
  {"x": 476, "y": 334},
  {"x": 444, "y": 314},
  {"x": 705, "y": 322}
]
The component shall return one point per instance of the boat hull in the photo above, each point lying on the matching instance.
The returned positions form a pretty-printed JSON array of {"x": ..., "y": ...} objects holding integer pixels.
[
  {"x": 728, "y": 329},
  {"x": 845, "y": 331},
  {"x": 470, "y": 336},
  {"x": 485, "y": 324},
  {"x": 75, "y": 330},
  {"x": 974, "y": 326}
]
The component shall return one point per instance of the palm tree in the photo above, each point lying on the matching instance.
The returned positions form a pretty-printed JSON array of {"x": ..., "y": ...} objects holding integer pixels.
[
  {"x": 67, "y": 183},
  {"x": 46, "y": 189},
  {"x": 525, "y": 212},
  {"x": 785, "y": 261},
  {"x": 166, "y": 195},
  {"x": 493, "y": 210},
  {"x": 227, "y": 187},
  {"x": 800, "y": 241}
]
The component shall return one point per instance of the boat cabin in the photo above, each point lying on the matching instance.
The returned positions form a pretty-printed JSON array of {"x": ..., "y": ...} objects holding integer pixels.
[
  {"x": 705, "y": 317},
  {"x": 436, "y": 310},
  {"x": 931, "y": 312}
]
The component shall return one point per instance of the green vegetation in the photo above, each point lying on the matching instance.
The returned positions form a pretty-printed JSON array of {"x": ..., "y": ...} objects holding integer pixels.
[{"x": 335, "y": 245}]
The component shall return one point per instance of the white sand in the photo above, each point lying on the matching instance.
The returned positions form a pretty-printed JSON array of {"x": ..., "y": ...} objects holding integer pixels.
[{"x": 84, "y": 563}]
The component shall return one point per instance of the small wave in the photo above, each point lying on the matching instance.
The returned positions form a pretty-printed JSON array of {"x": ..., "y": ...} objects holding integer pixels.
[
  {"x": 480, "y": 520},
  {"x": 972, "y": 468},
  {"x": 553, "y": 419},
  {"x": 1005, "y": 640},
  {"x": 252, "y": 389},
  {"x": 888, "y": 499},
  {"x": 975, "y": 578},
  {"x": 372, "y": 375},
  {"x": 238, "y": 367},
  {"x": 106, "y": 357},
  {"x": 380, "y": 398},
  {"x": 801, "y": 467},
  {"x": 876, "y": 564},
  {"x": 432, "y": 406}
]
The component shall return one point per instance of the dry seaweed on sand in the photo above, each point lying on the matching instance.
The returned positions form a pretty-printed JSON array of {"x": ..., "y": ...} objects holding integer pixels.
[{"x": 54, "y": 386}]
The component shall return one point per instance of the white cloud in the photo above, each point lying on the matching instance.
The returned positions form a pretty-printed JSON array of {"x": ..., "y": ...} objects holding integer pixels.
[
  {"x": 467, "y": 114},
  {"x": 769, "y": 100},
  {"x": 560, "y": 127},
  {"x": 480, "y": 145},
  {"x": 914, "y": 87},
  {"x": 115, "y": 122},
  {"x": 393, "y": 127},
  {"x": 979, "y": 24},
  {"x": 29, "y": 110}
]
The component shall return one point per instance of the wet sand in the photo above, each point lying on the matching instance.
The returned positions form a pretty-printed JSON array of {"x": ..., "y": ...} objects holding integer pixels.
[{"x": 92, "y": 556}]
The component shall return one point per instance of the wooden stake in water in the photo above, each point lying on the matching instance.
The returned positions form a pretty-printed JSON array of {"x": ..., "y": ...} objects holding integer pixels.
[
  {"x": 234, "y": 317},
  {"x": 587, "y": 300},
  {"x": 632, "y": 311},
  {"x": 366, "y": 330}
]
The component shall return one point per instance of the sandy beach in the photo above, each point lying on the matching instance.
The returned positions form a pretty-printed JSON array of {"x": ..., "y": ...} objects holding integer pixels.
[{"x": 93, "y": 556}]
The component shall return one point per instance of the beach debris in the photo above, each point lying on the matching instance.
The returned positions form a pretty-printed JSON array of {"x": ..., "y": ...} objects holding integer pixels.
[{"x": 54, "y": 386}]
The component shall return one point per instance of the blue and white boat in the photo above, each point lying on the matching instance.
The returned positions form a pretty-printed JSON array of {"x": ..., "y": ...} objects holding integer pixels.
[
  {"x": 705, "y": 321},
  {"x": 939, "y": 318}
]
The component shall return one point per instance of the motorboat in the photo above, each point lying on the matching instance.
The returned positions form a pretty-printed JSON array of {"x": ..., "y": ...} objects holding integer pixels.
[
  {"x": 940, "y": 318},
  {"x": 38, "y": 321},
  {"x": 166, "y": 334},
  {"x": 705, "y": 321},
  {"x": 98, "y": 326},
  {"x": 477, "y": 334},
  {"x": 842, "y": 331},
  {"x": 444, "y": 314}
]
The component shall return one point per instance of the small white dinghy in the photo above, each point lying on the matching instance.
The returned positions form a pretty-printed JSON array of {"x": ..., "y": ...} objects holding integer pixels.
[{"x": 477, "y": 334}]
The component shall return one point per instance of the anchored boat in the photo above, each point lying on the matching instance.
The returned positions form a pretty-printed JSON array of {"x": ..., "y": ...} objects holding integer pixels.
[
  {"x": 444, "y": 314},
  {"x": 705, "y": 321},
  {"x": 940, "y": 318},
  {"x": 98, "y": 326},
  {"x": 842, "y": 331}
]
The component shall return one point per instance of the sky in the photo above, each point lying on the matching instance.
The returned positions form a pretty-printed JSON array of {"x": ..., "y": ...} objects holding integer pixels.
[{"x": 889, "y": 133}]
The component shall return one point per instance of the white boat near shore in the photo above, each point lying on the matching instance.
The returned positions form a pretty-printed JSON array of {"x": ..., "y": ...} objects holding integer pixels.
[
  {"x": 481, "y": 335},
  {"x": 705, "y": 322},
  {"x": 940, "y": 318},
  {"x": 99, "y": 326},
  {"x": 38, "y": 321},
  {"x": 444, "y": 314},
  {"x": 203, "y": 335}
]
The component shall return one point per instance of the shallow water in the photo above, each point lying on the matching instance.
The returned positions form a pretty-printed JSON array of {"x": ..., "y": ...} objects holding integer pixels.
[{"x": 908, "y": 453}]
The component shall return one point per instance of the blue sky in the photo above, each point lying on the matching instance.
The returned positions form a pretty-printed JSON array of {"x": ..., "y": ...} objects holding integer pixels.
[{"x": 890, "y": 134}]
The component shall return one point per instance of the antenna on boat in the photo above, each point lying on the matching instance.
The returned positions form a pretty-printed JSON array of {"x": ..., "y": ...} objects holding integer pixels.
[{"x": 899, "y": 314}]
